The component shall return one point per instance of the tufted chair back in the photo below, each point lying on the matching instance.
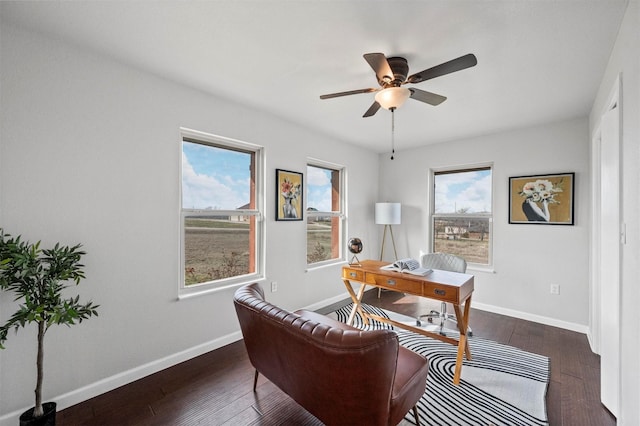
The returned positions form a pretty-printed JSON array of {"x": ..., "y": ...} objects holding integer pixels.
[{"x": 444, "y": 261}]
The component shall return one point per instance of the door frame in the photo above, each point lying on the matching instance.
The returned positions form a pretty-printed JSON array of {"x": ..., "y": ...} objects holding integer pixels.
[
  {"x": 594, "y": 266},
  {"x": 597, "y": 311}
]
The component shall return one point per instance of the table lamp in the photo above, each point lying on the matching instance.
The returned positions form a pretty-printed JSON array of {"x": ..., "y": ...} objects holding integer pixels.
[{"x": 388, "y": 214}]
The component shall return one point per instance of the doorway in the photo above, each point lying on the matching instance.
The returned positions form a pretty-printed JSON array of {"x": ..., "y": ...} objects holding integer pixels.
[{"x": 606, "y": 241}]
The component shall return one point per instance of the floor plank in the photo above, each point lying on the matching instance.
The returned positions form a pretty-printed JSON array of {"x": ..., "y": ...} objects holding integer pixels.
[{"x": 216, "y": 388}]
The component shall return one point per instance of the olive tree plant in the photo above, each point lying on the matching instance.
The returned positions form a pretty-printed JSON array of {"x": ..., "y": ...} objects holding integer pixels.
[{"x": 38, "y": 277}]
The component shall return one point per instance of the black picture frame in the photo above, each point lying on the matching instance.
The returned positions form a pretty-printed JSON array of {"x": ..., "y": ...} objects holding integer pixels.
[{"x": 545, "y": 199}]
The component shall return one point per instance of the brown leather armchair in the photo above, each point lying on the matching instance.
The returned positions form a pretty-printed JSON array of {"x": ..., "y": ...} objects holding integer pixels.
[{"x": 340, "y": 374}]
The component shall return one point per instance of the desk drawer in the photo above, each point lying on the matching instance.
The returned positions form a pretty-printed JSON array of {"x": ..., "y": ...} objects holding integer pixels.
[
  {"x": 397, "y": 284},
  {"x": 353, "y": 274},
  {"x": 435, "y": 291}
]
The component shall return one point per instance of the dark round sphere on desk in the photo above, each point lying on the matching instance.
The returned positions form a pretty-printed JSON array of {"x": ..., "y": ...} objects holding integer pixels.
[{"x": 355, "y": 245}]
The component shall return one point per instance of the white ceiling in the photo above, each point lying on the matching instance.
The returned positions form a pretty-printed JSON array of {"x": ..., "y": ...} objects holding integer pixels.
[{"x": 538, "y": 60}]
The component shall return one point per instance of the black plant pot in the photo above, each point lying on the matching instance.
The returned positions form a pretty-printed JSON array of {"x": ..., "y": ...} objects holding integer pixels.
[{"x": 47, "y": 419}]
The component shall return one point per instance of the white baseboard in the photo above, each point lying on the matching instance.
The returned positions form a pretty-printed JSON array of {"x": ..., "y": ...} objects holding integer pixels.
[
  {"x": 105, "y": 385},
  {"x": 592, "y": 343},
  {"x": 327, "y": 302},
  {"x": 580, "y": 328}
]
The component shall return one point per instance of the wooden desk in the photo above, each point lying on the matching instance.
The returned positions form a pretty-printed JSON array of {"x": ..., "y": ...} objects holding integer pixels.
[{"x": 445, "y": 286}]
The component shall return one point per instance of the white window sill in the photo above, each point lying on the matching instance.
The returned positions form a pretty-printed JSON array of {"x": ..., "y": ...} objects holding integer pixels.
[
  {"x": 487, "y": 269},
  {"x": 326, "y": 264},
  {"x": 206, "y": 290}
]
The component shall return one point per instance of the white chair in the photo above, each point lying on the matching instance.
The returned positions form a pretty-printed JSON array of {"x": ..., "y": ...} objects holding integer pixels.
[{"x": 445, "y": 262}]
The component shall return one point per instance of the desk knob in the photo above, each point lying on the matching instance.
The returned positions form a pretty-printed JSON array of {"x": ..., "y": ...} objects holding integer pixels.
[{"x": 391, "y": 282}]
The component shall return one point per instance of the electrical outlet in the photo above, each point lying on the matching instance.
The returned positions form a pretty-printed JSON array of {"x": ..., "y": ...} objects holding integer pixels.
[
  {"x": 555, "y": 289},
  {"x": 274, "y": 286}
]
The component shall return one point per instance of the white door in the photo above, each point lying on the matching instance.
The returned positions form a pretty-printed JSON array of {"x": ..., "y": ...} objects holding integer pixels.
[{"x": 610, "y": 260}]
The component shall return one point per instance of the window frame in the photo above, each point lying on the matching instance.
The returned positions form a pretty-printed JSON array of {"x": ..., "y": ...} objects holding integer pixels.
[
  {"x": 339, "y": 216},
  {"x": 433, "y": 216},
  {"x": 207, "y": 139}
]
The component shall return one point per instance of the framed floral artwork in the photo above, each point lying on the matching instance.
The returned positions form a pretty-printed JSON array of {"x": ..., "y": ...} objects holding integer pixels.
[
  {"x": 288, "y": 195},
  {"x": 542, "y": 199}
]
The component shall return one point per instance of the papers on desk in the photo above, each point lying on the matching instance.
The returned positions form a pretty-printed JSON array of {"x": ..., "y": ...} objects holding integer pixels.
[{"x": 409, "y": 266}]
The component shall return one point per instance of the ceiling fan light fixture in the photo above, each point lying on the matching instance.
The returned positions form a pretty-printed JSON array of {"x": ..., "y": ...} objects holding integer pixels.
[{"x": 392, "y": 97}]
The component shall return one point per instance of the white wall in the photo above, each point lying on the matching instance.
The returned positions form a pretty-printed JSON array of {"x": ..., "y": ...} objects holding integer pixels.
[
  {"x": 90, "y": 153},
  {"x": 526, "y": 258},
  {"x": 625, "y": 63}
]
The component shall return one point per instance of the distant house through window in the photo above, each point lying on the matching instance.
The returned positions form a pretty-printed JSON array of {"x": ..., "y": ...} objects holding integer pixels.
[
  {"x": 221, "y": 208},
  {"x": 325, "y": 212},
  {"x": 462, "y": 214}
]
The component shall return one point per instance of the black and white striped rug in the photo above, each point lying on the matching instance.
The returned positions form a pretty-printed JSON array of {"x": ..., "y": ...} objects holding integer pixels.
[{"x": 501, "y": 385}]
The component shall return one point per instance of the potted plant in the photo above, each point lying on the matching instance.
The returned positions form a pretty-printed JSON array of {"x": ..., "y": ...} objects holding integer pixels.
[{"x": 38, "y": 277}]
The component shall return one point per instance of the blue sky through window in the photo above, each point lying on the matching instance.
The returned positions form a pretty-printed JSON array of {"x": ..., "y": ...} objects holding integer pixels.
[
  {"x": 218, "y": 178},
  {"x": 214, "y": 178},
  {"x": 464, "y": 190},
  {"x": 319, "y": 188}
]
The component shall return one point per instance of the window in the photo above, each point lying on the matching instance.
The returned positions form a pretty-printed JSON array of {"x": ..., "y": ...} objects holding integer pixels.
[
  {"x": 324, "y": 213},
  {"x": 461, "y": 215},
  {"x": 221, "y": 211}
]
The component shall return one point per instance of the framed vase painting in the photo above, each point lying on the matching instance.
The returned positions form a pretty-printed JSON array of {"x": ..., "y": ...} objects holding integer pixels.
[
  {"x": 288, "y": 195},
  {"x": 542, "y": 199}
]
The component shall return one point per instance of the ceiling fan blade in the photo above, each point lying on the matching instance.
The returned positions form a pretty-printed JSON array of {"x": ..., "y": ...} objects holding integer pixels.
[
  {"x": 350, "y": 92},
  {"x": 380, "y": 65},
  {"x": 375, "y": 106},
  {"x": 463, "y": 62},
  {"x": 427, "y": 97}
]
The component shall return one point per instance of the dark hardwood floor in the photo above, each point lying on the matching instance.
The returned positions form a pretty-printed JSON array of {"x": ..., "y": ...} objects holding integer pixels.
[{"x": 216, "y": 388}]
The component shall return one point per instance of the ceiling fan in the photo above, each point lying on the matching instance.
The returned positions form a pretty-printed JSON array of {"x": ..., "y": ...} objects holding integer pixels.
[{"x": 392, "y": 75}]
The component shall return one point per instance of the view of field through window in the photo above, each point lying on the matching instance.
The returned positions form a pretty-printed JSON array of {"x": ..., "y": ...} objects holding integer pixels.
[
  {"x": 215, "y": 248},
  {"x": 323, "y": 227},
  {"x": 220, "y": 217},
  {"x": 319, "y": 240},
  {"x": 472, "y": 244},
  {"x": 216, "y": 194},
  {"x": 462, "y": 214}
]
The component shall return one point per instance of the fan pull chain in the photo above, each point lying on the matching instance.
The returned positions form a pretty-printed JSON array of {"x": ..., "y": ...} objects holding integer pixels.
[{"x": 393, "y": 129}]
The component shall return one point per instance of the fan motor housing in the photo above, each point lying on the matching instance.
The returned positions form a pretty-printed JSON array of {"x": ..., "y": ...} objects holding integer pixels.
[{"x": 400, "y": 68}]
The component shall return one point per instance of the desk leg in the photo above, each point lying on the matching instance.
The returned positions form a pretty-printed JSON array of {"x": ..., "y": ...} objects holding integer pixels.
[
  {"x": 458, "y": 371},
  {"x": 463, "y": 343},
  {"x": 463, "y": 324},
  {"x": 357, "y": 301},
  {"x": 467, "y": 307}
]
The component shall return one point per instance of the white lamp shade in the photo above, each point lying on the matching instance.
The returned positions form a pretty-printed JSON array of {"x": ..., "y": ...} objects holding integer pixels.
[
  {"x": 392, "y": 97},
  {"x": 388, "y": 213}
]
